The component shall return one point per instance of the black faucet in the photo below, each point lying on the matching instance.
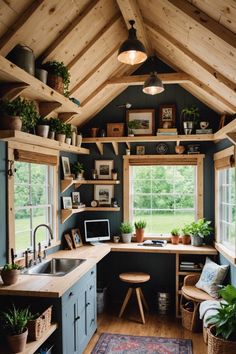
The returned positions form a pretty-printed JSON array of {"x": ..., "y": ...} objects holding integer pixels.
[{"x": 34, "y": 239}]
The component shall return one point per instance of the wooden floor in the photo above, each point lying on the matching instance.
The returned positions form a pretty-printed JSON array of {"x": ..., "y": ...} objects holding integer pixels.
[{"x": 156, "y": 325}]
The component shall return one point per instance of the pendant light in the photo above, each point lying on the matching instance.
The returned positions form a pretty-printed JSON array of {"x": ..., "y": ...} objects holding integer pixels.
[
  {"x": 132, "y": 51},
  {"x": 153, "y": 85}
]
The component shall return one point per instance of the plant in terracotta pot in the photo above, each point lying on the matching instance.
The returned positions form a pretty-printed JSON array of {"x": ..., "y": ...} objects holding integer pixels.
[
  {"x": 199, "y": 230},
  {"x": 78, "y": 170},
  {"x": 42, "y": 127},
  {"x": 175, "y": 236},
  {"x": 14, "y": 322},
  {"x": 126, "y": 229},
  {"x": 10, "y": 273},
  {"x": 185, "y": 235},
  {"x": 222, "y": 333},
  {"x": 139, "y": 230},
  {"x": 189, "y": 116},
  {"x": 58, "y": 76}
]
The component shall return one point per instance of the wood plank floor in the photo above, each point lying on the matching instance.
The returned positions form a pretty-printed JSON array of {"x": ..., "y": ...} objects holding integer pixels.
[{"x": 156, "y": 325}]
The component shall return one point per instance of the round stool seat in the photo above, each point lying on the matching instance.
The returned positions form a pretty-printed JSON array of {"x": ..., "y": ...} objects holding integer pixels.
[{"x": 134, "y": 277}]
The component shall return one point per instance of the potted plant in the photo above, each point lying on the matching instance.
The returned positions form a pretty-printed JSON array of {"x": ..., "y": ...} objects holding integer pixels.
[
  {"x": 189, "y": 116},
  {"x": 222, "y": 335},
  {"x": 59, "y": 128},
  {"x": 132, "y": 124},
  {"x": 78, "y": 170},
  {"x": 198, "y": 231},
  {"x": 139, "y": 230},
  {"x": 10, "y": 273},
  {"x": 175, "y": 236},
  {"x": 42, "y": 127},
  {"x": 126, "y": 229},
  {"x": 18, "y": 114},
  {"x": 58, "y": 76},
  {"x": 14, "y": 322},
  {"x": 185, "y": 235},
  {"x": 114, "y": 174},
  {"x": 68, "y": 133}
]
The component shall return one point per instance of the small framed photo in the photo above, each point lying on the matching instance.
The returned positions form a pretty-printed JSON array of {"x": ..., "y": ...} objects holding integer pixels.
[
  {"x": 76, "y": 238},
  {"x": 66, "y": 166},
  {"x": 167, "y": 115},
  {"x": 140, "y": 150},
  {"x": 103, "y": 194},
  {"x": 75, "y": 198},
  {"x": 67, "y": 202},
  {"x": 104, "y": 168},
  {"x": 144, "y": 119},
  {"x": 68, "y": 242}
]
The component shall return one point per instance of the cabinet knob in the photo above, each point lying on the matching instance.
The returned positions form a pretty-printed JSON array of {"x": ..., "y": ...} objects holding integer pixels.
[
  {"x": 90, "y": 288},
  {"x": 88, "y": 303},
  {"x": 71, "y": 294},
  {"x": 77, "y": 318},
  {"x": 92, "y": 272}
]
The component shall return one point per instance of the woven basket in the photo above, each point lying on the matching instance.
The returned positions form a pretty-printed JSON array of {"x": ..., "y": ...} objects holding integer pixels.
[
  {"x": 38, "y": 326},
  {"x": 56, "y": 82},
  {"x": 187, "y": 317},
  {"x": 218, "y": 345}
]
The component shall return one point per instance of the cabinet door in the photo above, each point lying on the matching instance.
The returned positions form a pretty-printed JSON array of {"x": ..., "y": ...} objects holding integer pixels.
[
  {"x": 91, "y": 305},
  {"x": 70, "y": 324}
]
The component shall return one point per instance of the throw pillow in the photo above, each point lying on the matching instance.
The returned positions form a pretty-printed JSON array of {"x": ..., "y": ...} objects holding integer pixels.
[{"x": 211, "y": 277}]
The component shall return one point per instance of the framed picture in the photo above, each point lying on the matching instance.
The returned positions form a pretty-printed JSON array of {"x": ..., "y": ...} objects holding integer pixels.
[
  {"x": 144, "y": 119},
  {"x": 67, "y": 202},
  {"x": 167, "y": 115},
  {"x": 103, "y": 194},
  {"x": 75, "y": 198},
  {"x": 66, "y": 166},
  {"x": 104, "y": 168},
  {"x": 76, "y": 238},
  {"x": 68, "y": 242},
  {"x": 140, "y": 150}
]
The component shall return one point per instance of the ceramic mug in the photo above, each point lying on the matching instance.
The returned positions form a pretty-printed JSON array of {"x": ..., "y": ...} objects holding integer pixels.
[
  {"x": 116, "y": 239},
  {"x": 204, "y": 125}
]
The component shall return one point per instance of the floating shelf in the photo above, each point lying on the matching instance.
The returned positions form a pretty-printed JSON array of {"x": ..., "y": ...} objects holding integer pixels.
[
  {"x": 21, "y": 137},
  {"x": 66, "y": 183},
  {"x": 66, "y": 213}
]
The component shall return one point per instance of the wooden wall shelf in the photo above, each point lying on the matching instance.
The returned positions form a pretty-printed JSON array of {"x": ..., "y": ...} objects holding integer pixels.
[
  {"x": 21, "y": 137},
  {"x": 66, "y": 213},
  {"x": 66, "y": 183}
]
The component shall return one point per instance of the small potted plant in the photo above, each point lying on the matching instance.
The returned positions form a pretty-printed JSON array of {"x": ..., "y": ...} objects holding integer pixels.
[
  {"x": 58, "y": 76},
  {"x": 139, "y": 230},
  {"x": 189, "y": 116},
  {"x": 42, "y": 127},
  {"x": 78, "y": 170},
  {"x": 199, "y": 230},
  {"x": 59, "y": 128},
  {"x": 126, "y": 229},
  {"x": 132, "y": 124},
  {"x": 185, "y": 235},
  {"x": 114, "y": 174},
  {"x": 68, "y": 132},
  {"x": 222, "y": 333},
  {"x": 175, "y": 236},
  {"x": 10, "y": 273},
  {"x": 14, "y": 322}
]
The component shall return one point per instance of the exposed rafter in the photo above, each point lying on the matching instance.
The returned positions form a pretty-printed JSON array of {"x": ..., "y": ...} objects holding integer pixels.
[{"x": 169, "y": 78}]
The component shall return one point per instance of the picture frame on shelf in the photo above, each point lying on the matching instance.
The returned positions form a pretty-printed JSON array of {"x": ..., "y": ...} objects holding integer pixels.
[
  {"x": 144, "y": 118},
  {"x": 66, "y": 167},
  {"x": 67, "y": 202},
  {"x": 115, "y": 129},
  {"x": 75, "y": 198},
  {"x": 167, "y": 116},
  {"x": 76, "y": 238},
  {"x": 140, "y": 150},
  {"x": 104, "y": 168},
  {"x": 103, "y": 194},
  {"x": 69, "y": 242}
]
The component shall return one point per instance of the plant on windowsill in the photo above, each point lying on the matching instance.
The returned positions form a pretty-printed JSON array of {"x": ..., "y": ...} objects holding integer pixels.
[
  {"x": 175, "y": 236},
  {"x": 14, "y": 322},
  {"x": 78, "y": 170},
  {"x": 189, "y": 117},
  {"x": 10, "y": 273},
  {"x": 185, "y": 235},
  {"x": 222, "y": 333},
  {"x": 199, "y": 230},
  {"x": 126, "y": 229},
  {"x": 58, "y": 76},
  {"x": 139, "y": 230}
]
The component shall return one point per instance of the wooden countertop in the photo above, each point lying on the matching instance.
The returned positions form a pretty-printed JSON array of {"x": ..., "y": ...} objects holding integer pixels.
[{"x": 50, "y": 286}]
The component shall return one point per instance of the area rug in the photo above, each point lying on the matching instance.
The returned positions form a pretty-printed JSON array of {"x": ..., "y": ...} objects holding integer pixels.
[{"x": 110, "y": 343}]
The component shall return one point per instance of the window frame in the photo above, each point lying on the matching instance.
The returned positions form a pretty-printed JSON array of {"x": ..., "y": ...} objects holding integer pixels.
[
  {"x": 129, "y": 160},
  {"x": 37, "y": 152}
]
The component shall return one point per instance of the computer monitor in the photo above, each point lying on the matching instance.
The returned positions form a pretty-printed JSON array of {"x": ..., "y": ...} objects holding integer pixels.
[{"x": 97, "y": 230}]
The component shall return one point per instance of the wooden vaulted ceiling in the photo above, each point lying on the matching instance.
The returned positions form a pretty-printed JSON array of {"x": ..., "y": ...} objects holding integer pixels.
[{"x": 194, "y": 37}]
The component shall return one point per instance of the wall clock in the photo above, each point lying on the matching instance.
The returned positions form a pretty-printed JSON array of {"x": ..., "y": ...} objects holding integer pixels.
[{"x": 162, "y": 148}]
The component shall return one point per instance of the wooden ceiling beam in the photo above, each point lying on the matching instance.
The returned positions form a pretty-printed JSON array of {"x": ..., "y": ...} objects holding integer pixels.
[
  {"x": 51, "y": 50},
  {"x": 102, "y": 32},
  {"x": 169, "y": 78},
  {"x": 22, "y": 24},
  {"x": 205, "y": 21},
  {"x": 130, "y": 11}
]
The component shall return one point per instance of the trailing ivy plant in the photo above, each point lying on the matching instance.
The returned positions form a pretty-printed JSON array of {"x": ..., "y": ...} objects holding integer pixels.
[{"x": 59, "y": 69}]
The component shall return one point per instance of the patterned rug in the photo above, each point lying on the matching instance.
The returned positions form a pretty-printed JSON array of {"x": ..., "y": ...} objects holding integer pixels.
[{"x": 110, "y": 343}]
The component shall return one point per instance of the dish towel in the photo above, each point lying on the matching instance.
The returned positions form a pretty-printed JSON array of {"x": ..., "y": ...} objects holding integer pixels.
[{"x": 207, "y": 309}]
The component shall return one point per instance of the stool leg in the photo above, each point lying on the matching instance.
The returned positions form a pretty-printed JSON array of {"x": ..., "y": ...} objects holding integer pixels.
[
  {"x": 140, "y": 304},
  {"x": 144, "y": 300},
  {"x": 127, "y": 297},
  {"x": 195, "y": 316}
]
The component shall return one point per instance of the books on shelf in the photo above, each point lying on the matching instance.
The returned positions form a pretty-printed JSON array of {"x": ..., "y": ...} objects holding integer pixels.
[
  {"x": 189, "y": 266},
  {"x": 167, "y": 131},
  {"x": 204, "y": 131}
]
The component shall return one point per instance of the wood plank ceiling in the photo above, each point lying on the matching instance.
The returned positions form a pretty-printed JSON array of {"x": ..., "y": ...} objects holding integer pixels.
[{"x": 195, "y": 37}]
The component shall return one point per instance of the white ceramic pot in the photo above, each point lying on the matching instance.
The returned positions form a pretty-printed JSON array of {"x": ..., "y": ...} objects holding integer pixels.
[
  {"x": 68, "y": 141},
  {"x": 42, "y": 130},
  {"x": 79, "y": 140},
  {"x": 126, "y": 238}
]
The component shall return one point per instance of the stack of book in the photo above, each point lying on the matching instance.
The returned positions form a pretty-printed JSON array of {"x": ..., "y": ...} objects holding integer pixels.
[
  {"x": 167, "y": 131},
  {"x": 204, "y": 131},
  {"x": 189, "y": 266}
]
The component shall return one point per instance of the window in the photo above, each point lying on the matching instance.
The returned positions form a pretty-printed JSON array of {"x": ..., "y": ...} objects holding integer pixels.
[
  {"x": 163, "y": 193},
  {"x": 165, "y": 190}
]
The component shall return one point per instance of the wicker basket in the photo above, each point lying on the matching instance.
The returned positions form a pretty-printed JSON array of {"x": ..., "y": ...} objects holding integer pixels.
[
  {"x": 56, "y": 82},
  {"x": 187, "y": 317},
  {"x": 219, "y": 346},
  {"x": 38, "y": 326}
]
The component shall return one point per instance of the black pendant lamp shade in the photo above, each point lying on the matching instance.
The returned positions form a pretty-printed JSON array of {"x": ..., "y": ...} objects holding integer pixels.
[
  {"x": 153, "y": 85},
  {"x": 132, "y": 51}
]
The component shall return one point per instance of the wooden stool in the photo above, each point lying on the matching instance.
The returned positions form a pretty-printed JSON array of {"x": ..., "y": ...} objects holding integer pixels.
[{"x": 134, "y": 278}]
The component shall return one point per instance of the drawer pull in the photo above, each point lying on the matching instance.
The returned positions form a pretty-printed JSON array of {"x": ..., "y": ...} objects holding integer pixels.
[
  {"x": 92, "y": 272},
  {"x": 71, "y": 294},
  {"x": 77, "y": 318},
  {"x": 88, "y": 303},
  {"x": 90, "y": 288}
]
